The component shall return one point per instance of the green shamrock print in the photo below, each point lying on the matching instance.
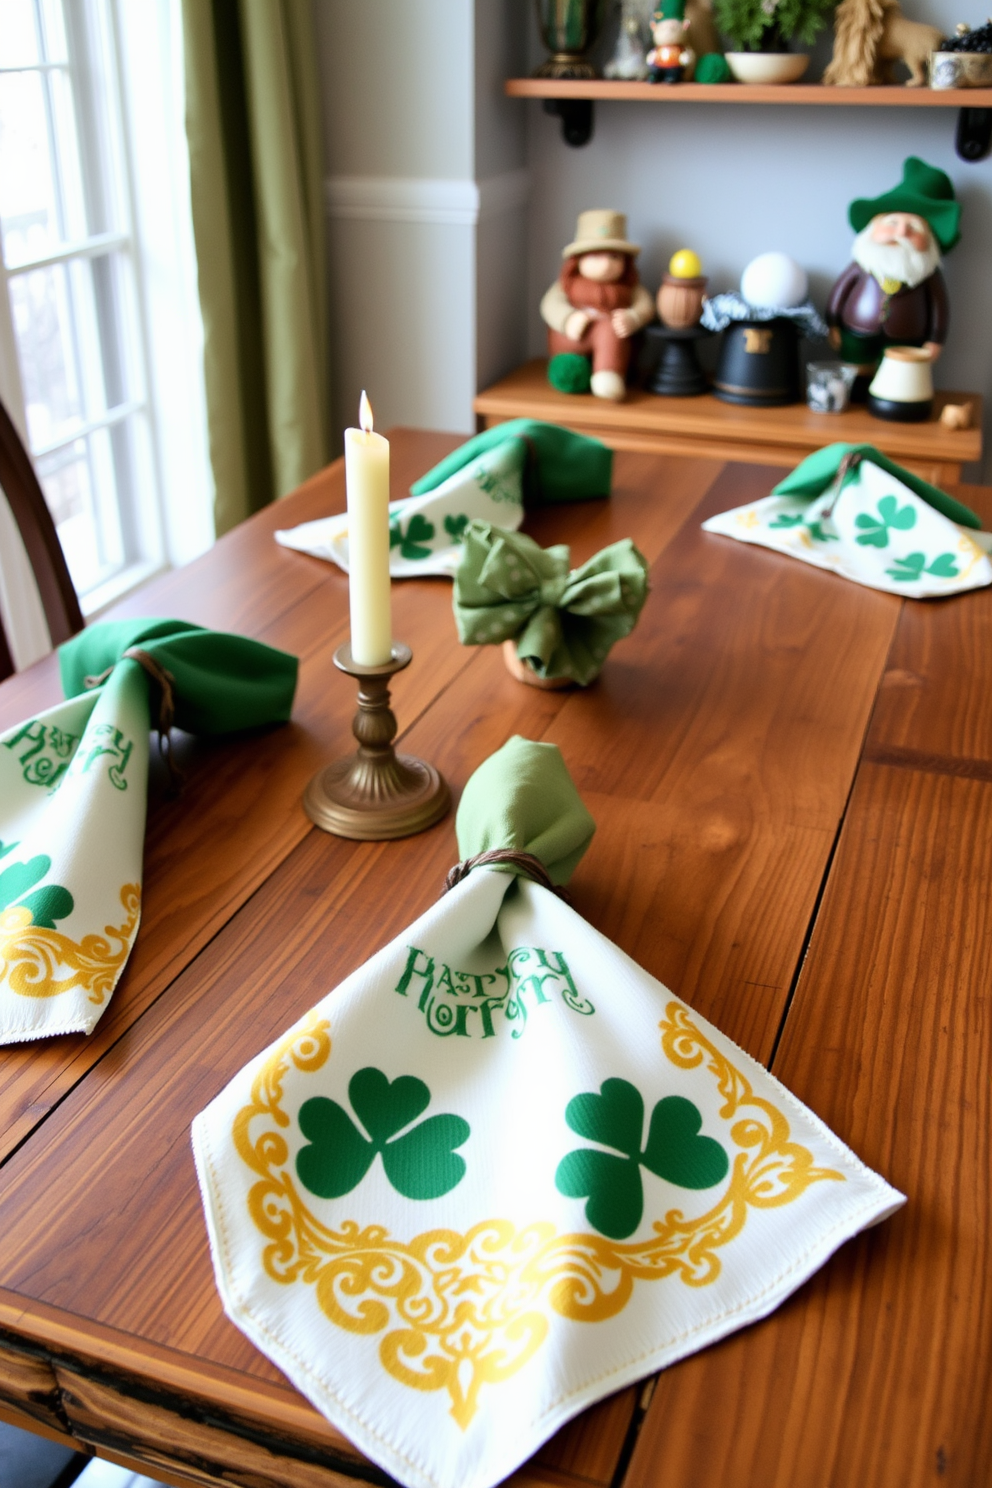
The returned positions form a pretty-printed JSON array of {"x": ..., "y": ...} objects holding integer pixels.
[
  {"x": 818, "y": 533},
  {"x": 890, "y": 516},
  {"x": 455, "y": 527},
  {"x": 787, "y": 519},
  {"x": 420, "y": 1164},
  {"x": 907, "y": 570},
  {"x": 46, "y": 905},
  {"x": 418, "y": 531},
  {"x": 612, "y": 1185}
]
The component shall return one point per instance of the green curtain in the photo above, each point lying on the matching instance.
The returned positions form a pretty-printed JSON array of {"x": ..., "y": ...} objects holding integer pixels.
[{"x": 253, "y": 124}]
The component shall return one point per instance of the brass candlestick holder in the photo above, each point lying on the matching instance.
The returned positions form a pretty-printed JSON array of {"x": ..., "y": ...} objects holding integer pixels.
[{"x": 375, "y": 794}]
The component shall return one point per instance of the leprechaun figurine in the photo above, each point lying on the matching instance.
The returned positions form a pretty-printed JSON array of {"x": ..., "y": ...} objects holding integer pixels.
[
  {"x": 893, "y": 293},
  {"x": 670, "y": 56},
  {"x": 594, "y": 307}
]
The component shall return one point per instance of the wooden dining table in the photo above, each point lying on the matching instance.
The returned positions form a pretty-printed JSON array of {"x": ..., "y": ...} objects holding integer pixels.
[{"x": 791, "y": 777}]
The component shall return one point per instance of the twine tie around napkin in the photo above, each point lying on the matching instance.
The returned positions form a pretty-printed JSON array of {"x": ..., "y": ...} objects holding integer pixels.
[
  {"x": 73, "y": 795},
  {"x": 501, "y": 1172},
  {"x": 528, "y": 864},
  {"x": 163, "y": 716}
]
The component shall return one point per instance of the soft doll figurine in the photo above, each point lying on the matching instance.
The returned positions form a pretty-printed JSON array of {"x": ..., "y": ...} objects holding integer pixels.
[{"x": 594, "y": 308}]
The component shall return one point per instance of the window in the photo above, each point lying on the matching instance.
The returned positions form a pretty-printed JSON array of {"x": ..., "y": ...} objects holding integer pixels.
[{"x": 99, "y": 273}]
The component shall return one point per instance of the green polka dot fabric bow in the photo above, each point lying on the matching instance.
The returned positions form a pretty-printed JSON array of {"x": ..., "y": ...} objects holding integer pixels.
[{"x": 563, "y": 621}]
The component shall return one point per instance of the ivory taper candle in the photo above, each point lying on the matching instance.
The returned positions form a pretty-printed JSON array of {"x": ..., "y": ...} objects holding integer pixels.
[{"x": 366, "y": 463}]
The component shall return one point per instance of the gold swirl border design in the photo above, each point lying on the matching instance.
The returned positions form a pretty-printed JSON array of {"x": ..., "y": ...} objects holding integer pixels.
[
  {"x": 464, "y": 1311},
  {"x": 32, "y": 956}
]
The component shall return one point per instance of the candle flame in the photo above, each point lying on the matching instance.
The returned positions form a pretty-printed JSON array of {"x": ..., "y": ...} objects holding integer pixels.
[{"x": 365, "y": 414}]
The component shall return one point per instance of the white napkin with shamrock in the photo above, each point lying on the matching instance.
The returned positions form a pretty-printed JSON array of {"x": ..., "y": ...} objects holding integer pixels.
[
  {"x": 876, "y": 525},
  {"x": 425, "y": 532},
  {"x": 73, "y": 795},
  {"x": 490, "y": 478},
  {"x": 501, "y": 1171}
]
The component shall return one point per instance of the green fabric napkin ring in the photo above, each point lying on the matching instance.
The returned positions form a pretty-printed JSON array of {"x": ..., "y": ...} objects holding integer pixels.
[{"x": 564, "y": 622}]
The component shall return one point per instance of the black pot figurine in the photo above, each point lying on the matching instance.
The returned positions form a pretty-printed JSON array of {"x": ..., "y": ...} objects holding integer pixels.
[{"x": 759, "y": 358}]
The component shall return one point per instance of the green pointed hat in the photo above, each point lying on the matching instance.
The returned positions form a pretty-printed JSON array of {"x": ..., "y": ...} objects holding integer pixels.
[{"x": 925, "y": 191}]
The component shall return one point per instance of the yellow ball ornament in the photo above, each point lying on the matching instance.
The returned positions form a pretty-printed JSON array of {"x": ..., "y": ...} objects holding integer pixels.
[{"x": 685, "y": 265}]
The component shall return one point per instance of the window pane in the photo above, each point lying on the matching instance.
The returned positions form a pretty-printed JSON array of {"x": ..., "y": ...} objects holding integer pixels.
[
  {"x": 42, "y": 305},
  {"x": 18, "y": 38},
  {"x": 28, "y": 203},
  {"x": 71, "y": 479},
  {"x": 53, "y": 30}
]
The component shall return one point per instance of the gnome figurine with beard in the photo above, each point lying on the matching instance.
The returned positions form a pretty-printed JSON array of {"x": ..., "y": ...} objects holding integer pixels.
[
  {"x": 594, "y": 308},
  {"x": 893, "y": 294}
]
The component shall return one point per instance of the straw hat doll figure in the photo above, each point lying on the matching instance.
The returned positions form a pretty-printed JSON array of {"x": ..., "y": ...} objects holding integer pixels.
[{"x": 594, "y": 307}]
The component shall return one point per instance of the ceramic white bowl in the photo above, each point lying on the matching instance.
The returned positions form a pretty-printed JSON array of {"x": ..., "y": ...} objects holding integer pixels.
[{"x": 767, "y": 67}]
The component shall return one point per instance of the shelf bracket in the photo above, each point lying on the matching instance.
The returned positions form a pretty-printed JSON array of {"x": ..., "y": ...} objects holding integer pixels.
[
  {"x": 576, "y": 118},
  {"x": 974, "y": 137}
]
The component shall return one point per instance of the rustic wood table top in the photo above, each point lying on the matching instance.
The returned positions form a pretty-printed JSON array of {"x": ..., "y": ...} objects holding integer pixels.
[{"x": 792, "y": 778}]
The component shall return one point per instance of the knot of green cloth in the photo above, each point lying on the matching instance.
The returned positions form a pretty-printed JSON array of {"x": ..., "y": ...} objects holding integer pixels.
[
  {"x": 219, "y": 683},
  {"x": 522, "y": 799},
  {"x": 564, "y": 622}
]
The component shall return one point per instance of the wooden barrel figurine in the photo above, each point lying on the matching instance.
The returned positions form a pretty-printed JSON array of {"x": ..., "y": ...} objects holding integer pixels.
[{"x": 680, "y": 301}]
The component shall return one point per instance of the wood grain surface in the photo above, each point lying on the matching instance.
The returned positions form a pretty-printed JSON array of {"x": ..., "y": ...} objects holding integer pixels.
[
  {"x": 723, "y": 795},
  {"x": 608, "y": 90},
  {"x": 707, "y": 427}
]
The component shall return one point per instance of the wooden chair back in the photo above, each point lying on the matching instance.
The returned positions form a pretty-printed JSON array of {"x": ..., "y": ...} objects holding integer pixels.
[{"x": 34, "y": 520}]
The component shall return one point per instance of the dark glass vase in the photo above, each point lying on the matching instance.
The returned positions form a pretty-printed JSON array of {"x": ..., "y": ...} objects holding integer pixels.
[{"x": 569, "y": 29}]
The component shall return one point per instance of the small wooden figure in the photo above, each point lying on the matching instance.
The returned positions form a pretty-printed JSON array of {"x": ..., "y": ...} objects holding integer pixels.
[
  {"x": 680, "y": 298},
  {"x": 671, "y": 56}
]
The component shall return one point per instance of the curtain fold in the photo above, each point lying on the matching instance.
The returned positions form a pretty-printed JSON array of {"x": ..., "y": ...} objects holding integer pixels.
[{"x": 253, "y": 124}]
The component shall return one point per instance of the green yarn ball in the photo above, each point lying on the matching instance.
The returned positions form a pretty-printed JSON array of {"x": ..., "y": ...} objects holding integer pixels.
[
  {"x": 713, "y": 67},
  {"x": 569, "y": 372}
]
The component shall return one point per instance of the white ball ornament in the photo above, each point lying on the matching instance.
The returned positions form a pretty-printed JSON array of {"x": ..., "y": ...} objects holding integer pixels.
[{"x": 774, "y": 281}]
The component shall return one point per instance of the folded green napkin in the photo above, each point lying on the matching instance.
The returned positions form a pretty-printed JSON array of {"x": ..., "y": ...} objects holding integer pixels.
[
  {"x": 556, "y": 464},
  {"x": 564, "y": 622},
  {"x": 852, "y": 511},
  {"x": 490, "y": 479},
  {"x": 501, "y": 1172},
  {"x": 73, "y": 788},
  {"x": 522, "y": 797},
  {"x": 818, "y": 472}
]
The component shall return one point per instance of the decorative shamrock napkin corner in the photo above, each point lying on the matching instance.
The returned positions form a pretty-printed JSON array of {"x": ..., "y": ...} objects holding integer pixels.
[
  {"x": 492, "y": 478},
  {"x": 850, "y": 509},
  {"x": 73, "y": 787},
  {"x": 500, "y": 1171}
]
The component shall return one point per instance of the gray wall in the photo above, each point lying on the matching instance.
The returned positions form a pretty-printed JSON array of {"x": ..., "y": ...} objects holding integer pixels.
[
  {"x": 733, "y": 181},
  {"x": 449, "y": 203}
]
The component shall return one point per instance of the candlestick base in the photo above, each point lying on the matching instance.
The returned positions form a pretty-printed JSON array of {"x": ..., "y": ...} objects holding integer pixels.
[{"x": 375, "y": 794}]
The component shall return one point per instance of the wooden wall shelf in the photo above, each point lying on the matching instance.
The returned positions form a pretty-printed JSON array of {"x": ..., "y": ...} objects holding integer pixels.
[
  {"x": 726, "y": 431},
  {"x": 603, "y": 90}
]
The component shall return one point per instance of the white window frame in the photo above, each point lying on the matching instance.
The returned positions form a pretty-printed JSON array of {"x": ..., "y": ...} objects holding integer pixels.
[{"x": 145, "y": 106}]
